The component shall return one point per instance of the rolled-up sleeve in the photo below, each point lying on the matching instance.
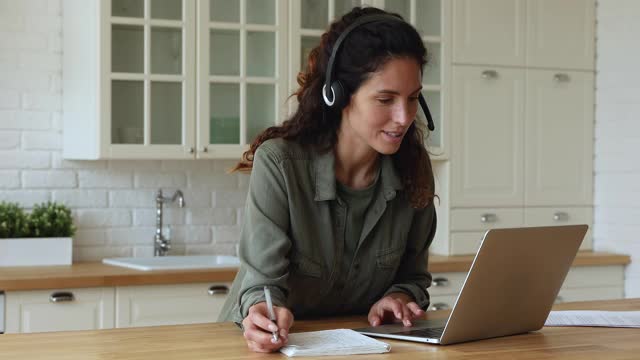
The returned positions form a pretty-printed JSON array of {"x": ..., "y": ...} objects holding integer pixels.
[
  {"x": 412, "y": 277},
  {"x": 264, "y": 243}
]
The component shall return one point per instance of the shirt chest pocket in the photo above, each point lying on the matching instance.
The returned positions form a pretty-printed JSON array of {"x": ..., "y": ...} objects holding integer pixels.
[
  {"x": 304, "y": 266},
  {"x": 389, "y": 259},
  {"x": 307, "y": 283}
]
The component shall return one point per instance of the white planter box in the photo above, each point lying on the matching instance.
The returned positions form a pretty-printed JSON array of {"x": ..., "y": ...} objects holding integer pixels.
[{"x": 35, "y": 251}]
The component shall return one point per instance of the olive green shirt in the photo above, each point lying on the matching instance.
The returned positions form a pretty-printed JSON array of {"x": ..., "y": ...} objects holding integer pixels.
[
  {"x": 293, "y": 239},
  {"x": 356, "y": 202}
]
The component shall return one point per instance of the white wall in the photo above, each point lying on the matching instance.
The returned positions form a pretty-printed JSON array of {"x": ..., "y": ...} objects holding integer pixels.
[
  {"x": 617, "y": 144},
  {"x": 113, "y": 201}
]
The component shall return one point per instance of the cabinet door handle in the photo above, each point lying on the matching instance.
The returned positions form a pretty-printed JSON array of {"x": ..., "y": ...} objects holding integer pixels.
[
  {"x": 489, "y": 74},
  {"x": 191, "y": 150},
  {"x": 561, "y": 78},
  {"x": 440, "y": 282},
  {"x": 218, "y": 290},
  {"x": 439, "y": 306},
  {"x": 560, "y": 216},
  {"x": 205, "y": 149},
  {"x": 61, "y": 296},
  {"x": 559, "y": 300},
  {"x": 487, "y": 218}
]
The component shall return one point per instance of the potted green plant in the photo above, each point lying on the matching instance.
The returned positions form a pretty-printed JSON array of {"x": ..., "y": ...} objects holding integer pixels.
[{"x": 42, "y": 237}]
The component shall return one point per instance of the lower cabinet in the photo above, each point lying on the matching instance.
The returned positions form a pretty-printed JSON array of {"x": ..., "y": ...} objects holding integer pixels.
[
  {"x": 109, "y": 307},
  {"x": 151, "y": 305},
  {"x": 59, "y": 310},
  {"x": 469, "y": 225},
  {"x": 583, "y": 283}
]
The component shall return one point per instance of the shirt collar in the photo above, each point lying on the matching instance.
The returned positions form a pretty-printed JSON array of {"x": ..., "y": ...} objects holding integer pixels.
[{"x": 325, "y": 177}]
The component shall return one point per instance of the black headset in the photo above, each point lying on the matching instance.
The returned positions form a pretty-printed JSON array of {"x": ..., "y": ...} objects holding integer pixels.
[{"x": 339, "y": 95}]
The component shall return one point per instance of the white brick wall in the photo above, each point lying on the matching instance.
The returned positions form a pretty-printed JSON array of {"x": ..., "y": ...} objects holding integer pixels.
[
  {"x": 112, "y": 201},
  {"x": 617, "y": 133}
]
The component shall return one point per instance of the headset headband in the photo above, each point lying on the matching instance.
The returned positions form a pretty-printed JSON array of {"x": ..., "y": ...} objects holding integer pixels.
[
  {"x": 359, "y": 21},
  {"x": 336, "y": 48}
]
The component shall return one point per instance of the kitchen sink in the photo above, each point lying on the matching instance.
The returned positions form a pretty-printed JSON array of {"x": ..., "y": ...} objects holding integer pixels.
[{"x": 175, "y": 262}]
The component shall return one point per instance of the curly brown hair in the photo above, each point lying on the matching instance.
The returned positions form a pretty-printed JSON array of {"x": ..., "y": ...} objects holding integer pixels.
[{"x": 367, "y": 48}]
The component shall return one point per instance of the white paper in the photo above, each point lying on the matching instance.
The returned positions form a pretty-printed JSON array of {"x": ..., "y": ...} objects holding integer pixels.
[
  {"x": 629, "y": 319},
  {"x": 332, "y": 342}
]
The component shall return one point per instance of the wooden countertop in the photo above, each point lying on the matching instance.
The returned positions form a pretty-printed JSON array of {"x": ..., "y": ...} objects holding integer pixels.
[
  {"x": 224, "y": 341},
  {"x": 439, "y": 263},
  {"x": 97, "y": 274}
]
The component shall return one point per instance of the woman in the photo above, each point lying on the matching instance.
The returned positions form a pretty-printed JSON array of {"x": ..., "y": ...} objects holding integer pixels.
[{"x": 340, "y": 214}]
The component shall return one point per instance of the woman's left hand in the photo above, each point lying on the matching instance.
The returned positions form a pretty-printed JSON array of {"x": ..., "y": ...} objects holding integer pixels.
[{"x": 395, "y": 306}]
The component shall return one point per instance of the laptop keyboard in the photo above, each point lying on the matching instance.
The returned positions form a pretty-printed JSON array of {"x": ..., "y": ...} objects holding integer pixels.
[{"x": 429, "y": 332}]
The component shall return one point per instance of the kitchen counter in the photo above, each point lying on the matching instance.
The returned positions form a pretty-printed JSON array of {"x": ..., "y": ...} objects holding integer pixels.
[
  {"x": 82, "y": 275},
  {"x": 224, "y": 341}
]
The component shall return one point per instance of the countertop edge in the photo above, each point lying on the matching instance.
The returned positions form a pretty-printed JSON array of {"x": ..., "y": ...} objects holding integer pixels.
[{"x": 94, "y": 274}]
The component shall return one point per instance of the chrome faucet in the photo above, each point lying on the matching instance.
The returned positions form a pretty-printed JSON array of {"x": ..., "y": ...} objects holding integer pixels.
[{"x": 161, "y": 245}]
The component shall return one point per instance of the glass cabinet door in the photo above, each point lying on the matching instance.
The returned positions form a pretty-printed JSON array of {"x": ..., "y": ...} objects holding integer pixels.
[
  {"x": 426, "y": 16},
  {"x": 311, "y": 19},
  {"x": 150, "y": 78},
  {"x": 242, "y": 66}
]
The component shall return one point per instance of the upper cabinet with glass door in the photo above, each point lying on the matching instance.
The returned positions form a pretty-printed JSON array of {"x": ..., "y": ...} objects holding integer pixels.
[
  {"x": 134, "y": 93},
  {"x": 128, "y": 95},
  {"x": 242, "y": 66},
  {"x": 310, "y": 18}
]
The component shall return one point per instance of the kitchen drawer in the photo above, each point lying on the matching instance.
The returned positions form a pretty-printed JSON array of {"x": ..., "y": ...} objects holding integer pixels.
[
  {"x": 549, "y": 216},
  {"x": 152, "y": 305},
  {"x": 588, "y": 294},
  {"x": 443, "y": 302},
  {"x": 465, "y": 243},
  {"x": 482, "y": 219},
  {"x": 448, "y": 283},
  {"x": 59, "y": 310},
  {"x": 595, "y": 276}
]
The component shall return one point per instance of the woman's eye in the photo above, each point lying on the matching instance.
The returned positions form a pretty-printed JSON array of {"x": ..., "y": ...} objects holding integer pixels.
[
  {"x": 385, "y": 101},
  {"x": 414, "y": 98}
]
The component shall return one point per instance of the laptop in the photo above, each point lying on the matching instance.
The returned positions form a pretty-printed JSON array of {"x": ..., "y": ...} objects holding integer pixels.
[{"x": 513, "y": 282}]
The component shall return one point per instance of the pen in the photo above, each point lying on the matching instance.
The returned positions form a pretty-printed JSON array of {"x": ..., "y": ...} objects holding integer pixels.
[{"x": 272, "y": 315}]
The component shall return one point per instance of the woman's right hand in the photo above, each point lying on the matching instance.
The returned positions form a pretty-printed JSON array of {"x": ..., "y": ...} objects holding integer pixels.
[{"x": 258, "y": 328}]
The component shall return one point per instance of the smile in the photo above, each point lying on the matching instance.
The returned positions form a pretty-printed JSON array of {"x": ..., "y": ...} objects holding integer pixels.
[{"x": 395, "y": 134}]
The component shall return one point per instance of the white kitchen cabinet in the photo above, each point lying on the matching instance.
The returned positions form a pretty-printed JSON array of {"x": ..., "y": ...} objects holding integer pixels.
[
  {"x": 489, "y": 32},
  {"x": 583, "y": 283},
  {"x": 522, "y": 152},
  {"x": 558, "y": 215},
  {"x": 559, "y": 138},
  {"x": 151, "y": 305},
  {"x": 487, "y": 136},
  {"x": 130, "y": 70},
  {"x": 536, "y": 33},
  {"x": 108, "y": 307},
  {"x": 522, "y": 127},
  {"x": 59, "y": 310},
  {"x": 560, "y": 34}
]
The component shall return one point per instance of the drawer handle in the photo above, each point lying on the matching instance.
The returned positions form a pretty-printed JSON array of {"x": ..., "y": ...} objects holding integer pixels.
[
  {"x": 488, "y": 218},
  {"x": 561, "y": 78},
  {"x": 218, "y": 290},
  {"x": 439, "y": 306},
  {"x": 560, "y": 216},
  {"x": 62, "y": 296},
  {"x": 489, "y": 74},
  {"x": 440, "y": 282}
]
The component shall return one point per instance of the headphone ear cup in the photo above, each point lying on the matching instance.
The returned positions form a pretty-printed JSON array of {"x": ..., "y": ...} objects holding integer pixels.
[{"x": 340, "y": 95}]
